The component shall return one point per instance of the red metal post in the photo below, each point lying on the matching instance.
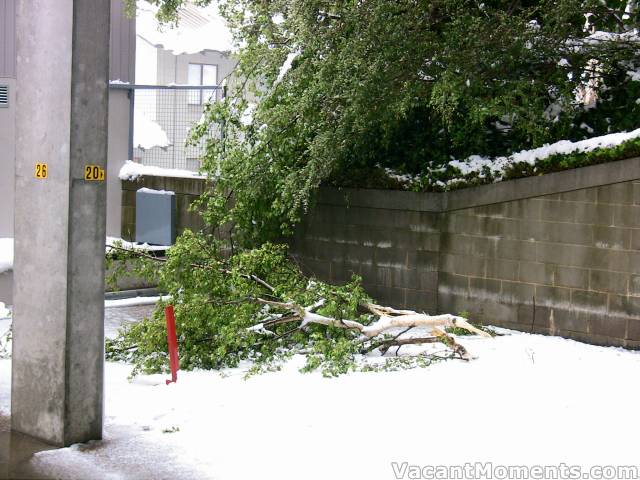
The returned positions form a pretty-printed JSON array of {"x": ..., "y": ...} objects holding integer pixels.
[{"x": 172, "y": 340}]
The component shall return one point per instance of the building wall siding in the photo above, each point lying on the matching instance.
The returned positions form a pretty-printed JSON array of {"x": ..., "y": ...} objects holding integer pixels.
[
  {"x": 7, "y": 39},
  {"x": 123, "y": 44},
  {"x": 122, "y": 50}
]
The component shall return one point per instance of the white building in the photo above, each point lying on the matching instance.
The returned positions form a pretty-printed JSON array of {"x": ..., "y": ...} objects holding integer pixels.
[{"x": 196, "y": 53}]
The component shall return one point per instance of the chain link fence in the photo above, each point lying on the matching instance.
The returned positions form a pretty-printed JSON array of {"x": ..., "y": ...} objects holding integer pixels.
[{"x": 161, "y": 118}]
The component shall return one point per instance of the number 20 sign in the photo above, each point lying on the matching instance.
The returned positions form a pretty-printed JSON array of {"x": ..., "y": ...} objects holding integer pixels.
[{"x": 94, "y": 173}]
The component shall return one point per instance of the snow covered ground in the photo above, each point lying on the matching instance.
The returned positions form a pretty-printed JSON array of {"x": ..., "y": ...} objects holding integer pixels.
[
  {"x": 6, "y": 254},
  {"x": 527, "y": 399}
]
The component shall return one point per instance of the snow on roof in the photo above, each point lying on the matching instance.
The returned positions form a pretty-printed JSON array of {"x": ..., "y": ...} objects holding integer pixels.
[
  {"x": 6, "y": 250},
  {"x": 145, "y": 247},
  {"x": 132, "y": 170},
  {"x": 6, "y": 254},
  {"x": 199, "y": 28}
]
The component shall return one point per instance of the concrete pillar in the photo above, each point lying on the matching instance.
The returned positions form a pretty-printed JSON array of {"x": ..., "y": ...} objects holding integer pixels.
[{"x": 61, "y": 120}]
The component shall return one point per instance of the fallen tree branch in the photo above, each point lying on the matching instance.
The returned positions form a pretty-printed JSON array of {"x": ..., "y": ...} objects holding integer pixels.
[
  {"x": 386, "y": 311},
  {"x": 406, "y": 319},
  {"x": 420, "y": 320}
]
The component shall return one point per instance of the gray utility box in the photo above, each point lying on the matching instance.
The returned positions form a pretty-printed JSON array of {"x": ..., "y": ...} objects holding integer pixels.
[{"x": 155, "y": 217}]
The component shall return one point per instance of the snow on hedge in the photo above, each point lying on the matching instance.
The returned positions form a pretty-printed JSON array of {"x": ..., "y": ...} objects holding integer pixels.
[
  {"x": 6, "y": 254},
  {"x": 133, "y": 170},
  {"x": 147, "y": 133},
  {"x": 477, "y": 163}
]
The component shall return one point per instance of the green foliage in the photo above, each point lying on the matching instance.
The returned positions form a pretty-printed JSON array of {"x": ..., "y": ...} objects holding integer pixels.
[
  {"x": 216, "y": 303},
  {"x": 405, "y": 363},
  {"x": 239, "y": 308}
]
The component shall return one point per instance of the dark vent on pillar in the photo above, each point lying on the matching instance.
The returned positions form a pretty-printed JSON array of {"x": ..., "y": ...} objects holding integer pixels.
[{"x": 4, "y": 96}]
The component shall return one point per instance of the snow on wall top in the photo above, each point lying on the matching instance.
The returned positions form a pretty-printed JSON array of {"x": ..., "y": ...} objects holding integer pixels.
[
  {"x": 156, "y": 192},
  {"x": 477, "y": 163},
  {"x": 132, "y": 170},
  {"x": 199, "y": 28},
  {"x": 6, "y": 250}
]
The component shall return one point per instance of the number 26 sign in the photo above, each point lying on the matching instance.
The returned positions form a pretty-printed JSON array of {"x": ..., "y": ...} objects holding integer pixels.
[{"x": 42, "y": 171}]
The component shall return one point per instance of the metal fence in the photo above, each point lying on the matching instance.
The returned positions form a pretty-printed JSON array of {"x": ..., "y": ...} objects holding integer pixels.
[{"x": 161, "y": 119}]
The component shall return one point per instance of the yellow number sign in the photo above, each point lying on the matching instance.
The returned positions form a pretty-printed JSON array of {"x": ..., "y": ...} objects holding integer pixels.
[
  {"x": 41, "y": 170},
  {"x": 94, "y": 173}
]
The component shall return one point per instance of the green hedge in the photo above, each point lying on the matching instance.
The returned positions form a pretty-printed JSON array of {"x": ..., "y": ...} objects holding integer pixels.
[{"x": 450, "y": 178}]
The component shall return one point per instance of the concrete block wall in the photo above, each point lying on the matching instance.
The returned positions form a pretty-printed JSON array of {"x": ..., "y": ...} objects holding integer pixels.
[
  {"x": 394, "y": 250},
  {"x": 562, "y": 264},
  {"x": 187, "y": 190},
  {"x": 557, "y": 254}
]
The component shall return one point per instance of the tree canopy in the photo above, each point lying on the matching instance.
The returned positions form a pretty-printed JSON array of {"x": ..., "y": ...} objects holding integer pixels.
[{"x": 333, "y": 91}]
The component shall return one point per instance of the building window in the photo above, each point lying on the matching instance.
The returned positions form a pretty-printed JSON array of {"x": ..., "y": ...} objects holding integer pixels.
[{"x": 200, "y": 74}]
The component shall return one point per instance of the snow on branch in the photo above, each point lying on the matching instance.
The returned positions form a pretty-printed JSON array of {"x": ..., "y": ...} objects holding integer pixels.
[
  {"x": 389, "y": 319},
  {"x": 286, "y": 66}
]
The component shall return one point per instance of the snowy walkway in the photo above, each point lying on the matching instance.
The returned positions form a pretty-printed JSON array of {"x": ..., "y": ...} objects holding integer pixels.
[
  {"x": 114, "y": 317},
  {"x": 528, "y": 399}
]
